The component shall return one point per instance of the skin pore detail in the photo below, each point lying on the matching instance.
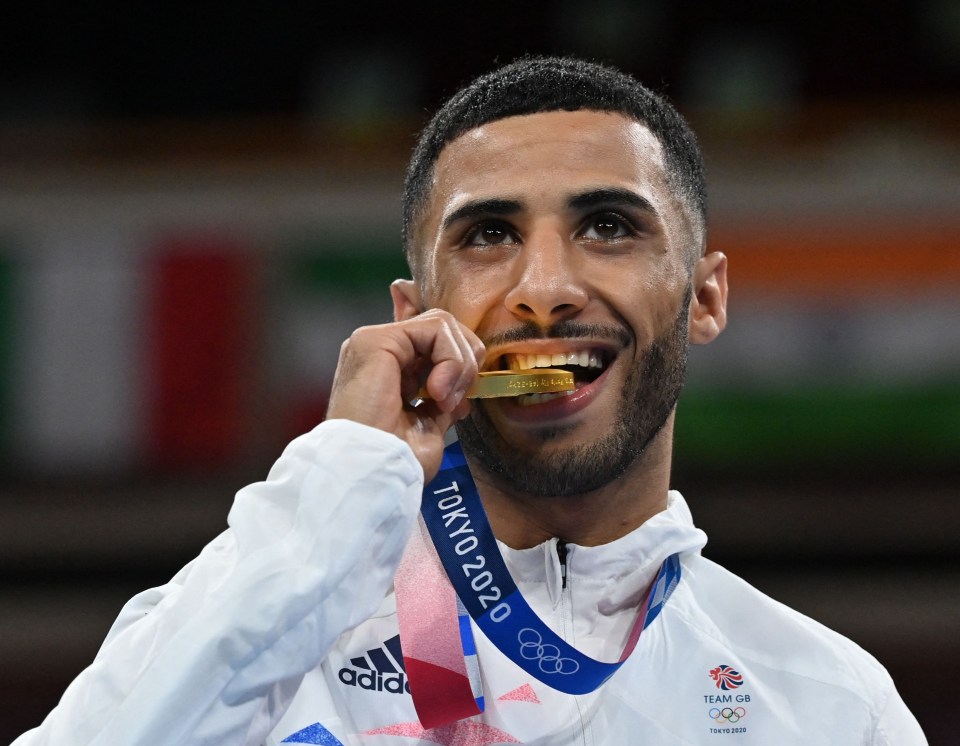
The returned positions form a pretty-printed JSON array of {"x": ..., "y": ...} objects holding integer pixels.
[{"x": 557, "y": 233}]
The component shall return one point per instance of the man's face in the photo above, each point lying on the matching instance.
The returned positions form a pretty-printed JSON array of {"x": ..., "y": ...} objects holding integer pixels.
[{"x": 556, "y": 238}]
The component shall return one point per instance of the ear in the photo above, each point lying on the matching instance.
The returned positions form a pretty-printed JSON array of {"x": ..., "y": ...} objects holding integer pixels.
[
  {"x": 406, "y": 299},
  {"x": 708, "y": 306}
]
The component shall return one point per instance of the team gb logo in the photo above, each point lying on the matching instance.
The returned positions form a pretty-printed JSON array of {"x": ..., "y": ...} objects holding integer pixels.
[{"x": 726, "y": 678}]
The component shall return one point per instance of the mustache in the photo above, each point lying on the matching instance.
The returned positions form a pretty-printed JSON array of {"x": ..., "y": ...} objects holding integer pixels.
[{"x": 567, "y": 329}]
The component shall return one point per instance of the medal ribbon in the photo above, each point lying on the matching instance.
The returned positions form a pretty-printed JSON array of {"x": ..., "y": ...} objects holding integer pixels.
[
  {"x": 439, "y": 655},
  {"x": 465, "y": 545}
]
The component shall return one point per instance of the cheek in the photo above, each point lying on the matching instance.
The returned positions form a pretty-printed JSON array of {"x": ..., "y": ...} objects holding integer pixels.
[
  {"x": 670, "y": 308},
  {"x": 473, "y": 291},
  {"x": 651, "y": 301},
  {"x": 463, "y": 296}
]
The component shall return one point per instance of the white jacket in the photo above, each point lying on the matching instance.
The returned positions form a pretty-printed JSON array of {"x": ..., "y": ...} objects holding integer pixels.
[{"x": 284, "y": 630}]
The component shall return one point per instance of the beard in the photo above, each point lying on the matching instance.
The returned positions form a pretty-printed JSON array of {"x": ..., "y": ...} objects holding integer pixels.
[{"x": 650, "y": 393}]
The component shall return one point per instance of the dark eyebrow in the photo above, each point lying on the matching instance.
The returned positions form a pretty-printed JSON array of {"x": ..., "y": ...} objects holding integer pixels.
[
  {"x": 481, "y": 208},
  {"x": 610, "y": 197}
]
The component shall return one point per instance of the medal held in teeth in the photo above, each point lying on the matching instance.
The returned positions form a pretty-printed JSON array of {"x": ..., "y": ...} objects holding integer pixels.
[{"x": 497, "y": 383}]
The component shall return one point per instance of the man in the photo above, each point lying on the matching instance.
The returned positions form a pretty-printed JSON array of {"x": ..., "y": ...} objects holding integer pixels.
[{"x": 554, "y": 216}]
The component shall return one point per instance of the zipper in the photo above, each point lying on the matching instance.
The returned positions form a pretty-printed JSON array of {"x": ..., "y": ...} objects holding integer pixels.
[
  {"x": 562, "y": 556},
  {"x": 566, "y": 626}
]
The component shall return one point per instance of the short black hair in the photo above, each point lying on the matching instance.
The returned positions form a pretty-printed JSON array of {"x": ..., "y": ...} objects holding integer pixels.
[{"x": 541, "y": 84}]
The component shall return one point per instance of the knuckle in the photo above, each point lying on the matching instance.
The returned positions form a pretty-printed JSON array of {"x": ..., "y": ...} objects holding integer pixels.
[
  {"x": 445, "y": 318},
  {"x": 363, "y": 335},
  {"x": 357, "y": 335}
]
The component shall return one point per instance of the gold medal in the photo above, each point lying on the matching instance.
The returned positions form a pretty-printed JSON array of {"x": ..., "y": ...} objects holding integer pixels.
[{"x": 497, "y": 383}]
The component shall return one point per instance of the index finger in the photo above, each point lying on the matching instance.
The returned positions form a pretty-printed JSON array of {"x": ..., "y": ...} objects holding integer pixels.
[{"x": 453, "y": 351}]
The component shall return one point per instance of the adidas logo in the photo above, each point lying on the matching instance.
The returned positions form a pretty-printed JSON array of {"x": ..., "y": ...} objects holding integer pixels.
[{"x": 378, "y": 670}]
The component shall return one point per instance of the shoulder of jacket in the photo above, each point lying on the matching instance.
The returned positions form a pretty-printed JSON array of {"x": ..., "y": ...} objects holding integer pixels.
[{"x": 724, "y": 606}]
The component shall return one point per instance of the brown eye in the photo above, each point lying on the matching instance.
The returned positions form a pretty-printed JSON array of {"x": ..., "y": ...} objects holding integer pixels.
[
  {"x": 606, "y": 227},
  {"x": 490, "y": 234},
  {"x": 493, "y": 235}
]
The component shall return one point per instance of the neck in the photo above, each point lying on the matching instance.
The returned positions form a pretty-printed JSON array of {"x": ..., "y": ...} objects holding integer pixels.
[{"x": 521, "y": 520}]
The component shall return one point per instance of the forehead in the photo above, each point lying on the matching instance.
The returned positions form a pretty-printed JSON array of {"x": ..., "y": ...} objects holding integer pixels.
[{"x": 536, "y": 156}]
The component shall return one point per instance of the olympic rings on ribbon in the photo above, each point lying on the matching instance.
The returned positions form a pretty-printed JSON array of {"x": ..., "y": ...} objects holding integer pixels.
[
  {"x": 727, "y": 714},
  {"x": 532, "y": 648}
]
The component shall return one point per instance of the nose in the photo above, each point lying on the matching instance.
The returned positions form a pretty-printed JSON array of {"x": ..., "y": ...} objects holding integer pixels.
[{"x": 548, "y": 286}]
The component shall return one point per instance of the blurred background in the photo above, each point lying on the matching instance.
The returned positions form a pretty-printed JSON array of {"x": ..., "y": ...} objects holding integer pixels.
[{"x": 200, "y": 201}]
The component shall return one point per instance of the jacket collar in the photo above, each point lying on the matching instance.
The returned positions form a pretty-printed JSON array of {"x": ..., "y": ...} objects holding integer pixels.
[{"x": 618, "y": 572}]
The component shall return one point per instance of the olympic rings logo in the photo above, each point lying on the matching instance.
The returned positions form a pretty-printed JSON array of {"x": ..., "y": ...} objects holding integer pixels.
[
  {"x": 532, "y": 648},
  {"x": 728, "y": 715}
]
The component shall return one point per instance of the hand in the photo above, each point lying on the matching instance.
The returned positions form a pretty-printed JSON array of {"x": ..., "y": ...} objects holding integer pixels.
[{"x": 382, "y": 368}]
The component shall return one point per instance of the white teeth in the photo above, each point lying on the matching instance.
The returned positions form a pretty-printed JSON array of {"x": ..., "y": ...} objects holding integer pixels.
[{"x": 526, "y": 361}]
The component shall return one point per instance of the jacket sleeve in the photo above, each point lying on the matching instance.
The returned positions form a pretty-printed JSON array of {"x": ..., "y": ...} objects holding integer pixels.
[
  {"x": 896, "y": 725},
  {"x": 215, "y": 656}
]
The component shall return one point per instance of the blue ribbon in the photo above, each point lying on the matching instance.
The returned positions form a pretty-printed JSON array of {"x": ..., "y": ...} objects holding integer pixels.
[{"x": 464, "y": 541}]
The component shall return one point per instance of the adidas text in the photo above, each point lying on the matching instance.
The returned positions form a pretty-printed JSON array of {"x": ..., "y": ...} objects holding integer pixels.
[{"x": 375, "y": 681}]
